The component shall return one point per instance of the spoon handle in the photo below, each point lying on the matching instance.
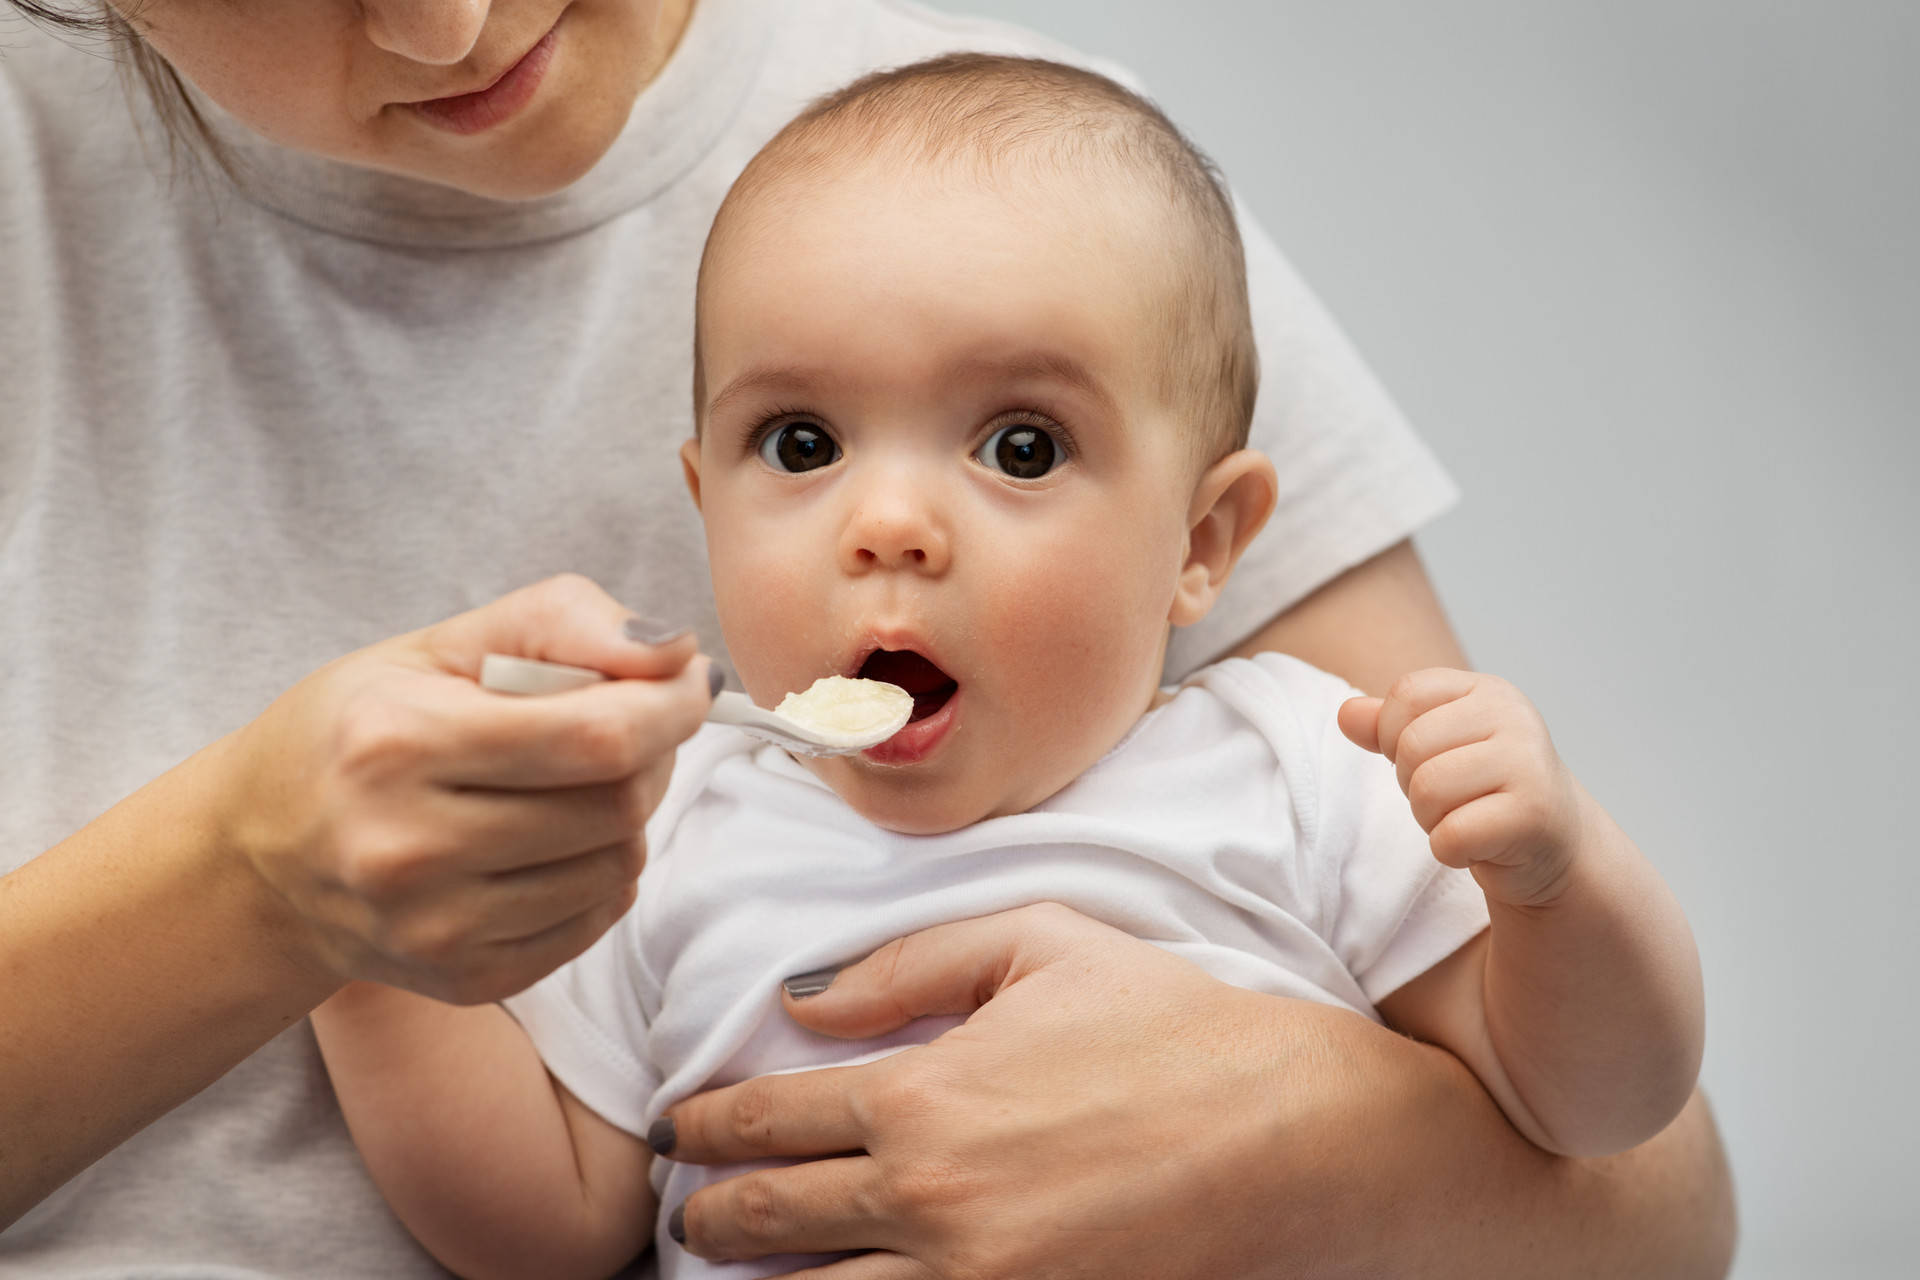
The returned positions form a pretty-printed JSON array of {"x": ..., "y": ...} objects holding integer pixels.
[{"x": 504, "y": 674}]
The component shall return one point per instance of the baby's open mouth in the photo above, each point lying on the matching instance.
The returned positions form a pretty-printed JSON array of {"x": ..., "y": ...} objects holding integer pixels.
[{"x": 929, "y": 685}]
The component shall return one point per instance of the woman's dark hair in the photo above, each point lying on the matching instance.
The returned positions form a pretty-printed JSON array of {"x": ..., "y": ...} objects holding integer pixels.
[{"x": 179, "y": 119}]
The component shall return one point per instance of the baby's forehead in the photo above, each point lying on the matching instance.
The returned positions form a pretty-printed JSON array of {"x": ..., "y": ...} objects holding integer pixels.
[{"x": 824, "y": 191}]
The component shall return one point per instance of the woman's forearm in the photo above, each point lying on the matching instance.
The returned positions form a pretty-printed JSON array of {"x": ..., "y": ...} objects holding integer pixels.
[
  {"x": 139, "y": 960},
  {"x": 385, "y": 818},
  {"x": 1472, "y": 1199}
]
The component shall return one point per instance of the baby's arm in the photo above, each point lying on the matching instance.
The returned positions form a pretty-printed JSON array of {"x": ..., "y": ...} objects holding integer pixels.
[
  {"x": 490, "y": 1162},
  {"x": 1581, "y": 1008}
]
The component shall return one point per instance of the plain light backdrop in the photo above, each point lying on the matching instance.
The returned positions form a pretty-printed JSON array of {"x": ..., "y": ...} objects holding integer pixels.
[{"x": 1646, "y": 275}]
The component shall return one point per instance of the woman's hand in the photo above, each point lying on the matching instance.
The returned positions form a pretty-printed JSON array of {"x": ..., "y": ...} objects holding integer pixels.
[
  {"x": 460, "y": 843},
  {"x": 1112, "y": 1111},
  {"x": 1096, "y": 1116}
]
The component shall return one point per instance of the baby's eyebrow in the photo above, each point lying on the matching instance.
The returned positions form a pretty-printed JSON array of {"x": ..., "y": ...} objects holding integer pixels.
[
  {"x": 778, "y": 380},
  {"x": 1039, "y": 366},
  {"x": 1019, "y": 366}
]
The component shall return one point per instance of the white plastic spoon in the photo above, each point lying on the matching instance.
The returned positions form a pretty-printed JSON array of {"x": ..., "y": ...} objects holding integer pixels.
[{"x": 836, "y": 717}]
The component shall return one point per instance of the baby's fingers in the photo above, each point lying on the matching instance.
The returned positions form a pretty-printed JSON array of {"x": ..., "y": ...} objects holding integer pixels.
[
  {"x": 1359, "y": 719},
  {"x": 1499, "y": 836},
  {"x": 1449, "y": 781},
  {"x": 1414, "y": 696}
]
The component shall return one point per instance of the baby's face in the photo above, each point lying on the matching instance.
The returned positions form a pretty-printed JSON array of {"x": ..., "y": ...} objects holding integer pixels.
[{"x": 933, "y": 452}]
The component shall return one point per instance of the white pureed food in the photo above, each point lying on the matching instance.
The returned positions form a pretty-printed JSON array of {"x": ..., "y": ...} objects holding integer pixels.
[{"x": 849, "y": 710}]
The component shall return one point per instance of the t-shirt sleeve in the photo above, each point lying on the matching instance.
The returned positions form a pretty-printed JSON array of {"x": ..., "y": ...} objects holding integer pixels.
[
  {"x": 1354, "y": 478},
  {"x": 1392, "y": 910},
  {"x": 587, "y": 1021}
]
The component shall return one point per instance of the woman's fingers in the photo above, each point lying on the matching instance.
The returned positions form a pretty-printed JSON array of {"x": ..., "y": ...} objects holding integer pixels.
[
  {"x": 500, "y": 969},
  {"x": 476, "y": 738},
  {"x": 995, "y": 1146},
  {"x": 816, "y": 1207},
  {"x": 866, "y": 1266},
  {"x": 421, "y": 824},
  {"x": 493, "y": 832},
  {"x": 810, "y": 1113},
  {"x": 567, "y": 619},
  {"x": 947, "y": 969},
  {"x": 528, "y": 902}
]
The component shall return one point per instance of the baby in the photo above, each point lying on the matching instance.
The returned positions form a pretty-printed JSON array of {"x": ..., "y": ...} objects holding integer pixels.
[{"x": 974, "y": 372}]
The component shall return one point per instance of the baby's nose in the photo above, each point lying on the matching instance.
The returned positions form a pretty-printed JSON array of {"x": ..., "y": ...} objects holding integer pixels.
[{"x": 896, "y": 524}]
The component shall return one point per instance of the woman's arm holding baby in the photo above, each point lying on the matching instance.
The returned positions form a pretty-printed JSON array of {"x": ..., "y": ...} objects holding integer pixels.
[
  {"x": 1581, "y": 1009},
  {"x": 490, "y": 1162}
]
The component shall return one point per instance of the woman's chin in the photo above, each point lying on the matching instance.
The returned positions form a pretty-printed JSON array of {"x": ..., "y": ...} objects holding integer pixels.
[{"x": 539, "y": 166}]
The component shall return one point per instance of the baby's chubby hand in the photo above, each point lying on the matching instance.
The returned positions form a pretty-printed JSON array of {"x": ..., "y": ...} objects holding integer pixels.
[{"x": 1486, "y": 784}]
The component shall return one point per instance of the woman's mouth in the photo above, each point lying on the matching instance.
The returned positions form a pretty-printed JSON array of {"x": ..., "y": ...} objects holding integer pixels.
[
  {"x": 475, "y": 112},
  {"x": 933, "y": 691}
]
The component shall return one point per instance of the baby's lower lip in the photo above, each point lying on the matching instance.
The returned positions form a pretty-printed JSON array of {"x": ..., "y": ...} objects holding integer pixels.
[
  {"x": 918, "y": 740},
  {"x": 499, "y": 101}
]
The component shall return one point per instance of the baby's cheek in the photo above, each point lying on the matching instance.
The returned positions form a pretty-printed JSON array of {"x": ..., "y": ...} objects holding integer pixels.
[
  {"x": 767, "y": 612},
  {"x": 1082, "y": 642}
]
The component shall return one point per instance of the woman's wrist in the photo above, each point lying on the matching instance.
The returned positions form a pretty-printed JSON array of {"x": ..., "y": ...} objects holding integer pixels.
[{"x": 228, "y": 797}]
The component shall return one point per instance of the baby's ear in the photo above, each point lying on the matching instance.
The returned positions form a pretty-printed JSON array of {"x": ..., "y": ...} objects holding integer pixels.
[
  {"x": 690, "y": 468},
  {"x": 1231, "y": 502}
]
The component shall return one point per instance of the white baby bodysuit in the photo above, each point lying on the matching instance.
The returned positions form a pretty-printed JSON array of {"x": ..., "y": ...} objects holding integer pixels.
[{"x": 1234, "y": 826}]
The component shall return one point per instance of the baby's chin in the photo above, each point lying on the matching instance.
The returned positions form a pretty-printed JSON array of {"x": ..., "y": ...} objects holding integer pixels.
[{"x": 916, "y": 802}]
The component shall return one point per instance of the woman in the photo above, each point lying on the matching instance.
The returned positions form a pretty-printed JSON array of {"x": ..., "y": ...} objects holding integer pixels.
[{"x": 416, "y": 334}]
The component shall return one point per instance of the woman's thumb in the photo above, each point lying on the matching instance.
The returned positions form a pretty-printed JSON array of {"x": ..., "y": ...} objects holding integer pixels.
[{"x": 567, "y": 619}]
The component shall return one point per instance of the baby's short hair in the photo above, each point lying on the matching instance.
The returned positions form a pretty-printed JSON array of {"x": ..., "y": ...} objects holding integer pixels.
[{"x": 986, "y": 109}]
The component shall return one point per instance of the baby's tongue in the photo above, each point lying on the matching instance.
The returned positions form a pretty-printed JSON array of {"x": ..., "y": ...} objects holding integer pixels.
[{"x": 929, "y": 685}]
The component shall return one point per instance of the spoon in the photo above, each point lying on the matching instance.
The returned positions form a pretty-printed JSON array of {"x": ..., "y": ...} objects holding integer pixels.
[{"x": 807, "y": 734}]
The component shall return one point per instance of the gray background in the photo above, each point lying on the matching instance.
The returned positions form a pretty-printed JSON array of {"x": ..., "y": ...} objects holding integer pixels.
[{"x": 1647, "y": 276}]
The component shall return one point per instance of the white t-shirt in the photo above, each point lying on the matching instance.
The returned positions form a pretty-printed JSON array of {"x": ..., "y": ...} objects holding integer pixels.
[
  {"x": 242, "y": 433},
  {"x": 1235, "y": 826}
]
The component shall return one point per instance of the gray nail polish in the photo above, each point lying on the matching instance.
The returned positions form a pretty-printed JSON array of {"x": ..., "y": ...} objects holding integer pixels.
[
  {"x": 677, "y": 1224},
  {"x": 802, "y": 985},
  {"x": 716, "y": 680},
  {"x": 647, "y": 631},
  {"x": 661, "y": 1136}
]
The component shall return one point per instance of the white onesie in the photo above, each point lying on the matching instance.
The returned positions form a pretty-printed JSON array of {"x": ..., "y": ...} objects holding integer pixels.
[{"x": 1234, "y": 826}]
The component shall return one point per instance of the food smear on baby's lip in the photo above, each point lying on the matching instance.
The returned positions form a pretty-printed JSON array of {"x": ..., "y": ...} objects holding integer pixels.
[{"x": 848, "y": 707}]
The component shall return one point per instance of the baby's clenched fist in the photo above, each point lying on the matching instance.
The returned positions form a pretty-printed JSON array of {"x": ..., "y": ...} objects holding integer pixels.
[{"x": 1476, "y": 762}]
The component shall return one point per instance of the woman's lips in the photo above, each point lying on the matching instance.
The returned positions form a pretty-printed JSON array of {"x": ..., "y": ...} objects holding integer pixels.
[{"x": 475, "y": 112}]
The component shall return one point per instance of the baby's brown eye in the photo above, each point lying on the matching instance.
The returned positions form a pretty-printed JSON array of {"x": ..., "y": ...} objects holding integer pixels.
[
  {"x": 1023, "y": 451},
  {"x": 798, "y": 446}
]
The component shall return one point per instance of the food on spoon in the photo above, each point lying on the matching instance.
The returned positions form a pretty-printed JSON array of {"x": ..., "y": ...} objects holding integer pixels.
[{"x": 844, "y": 707}]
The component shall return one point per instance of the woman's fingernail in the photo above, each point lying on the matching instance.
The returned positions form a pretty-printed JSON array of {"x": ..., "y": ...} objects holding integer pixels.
[
  {"x": 661, "y": 1137},
  {"x": 802, "y": 985},
  {"x": 716, "y": 680},
  {"x": 677, "y": 1224},
  {"x": 646, "y": 631}
]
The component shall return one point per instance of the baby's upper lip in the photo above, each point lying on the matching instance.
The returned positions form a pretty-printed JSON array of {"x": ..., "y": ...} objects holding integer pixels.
[{"x": 895, "y": 638}]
